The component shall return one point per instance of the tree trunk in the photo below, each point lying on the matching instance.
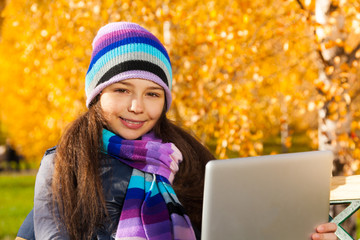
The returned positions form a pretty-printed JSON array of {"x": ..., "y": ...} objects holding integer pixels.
[
  {"x": 284, "y": 127},
  {"x": 2, "y": 7},
  {"x": 334, "y": 116},
  {"x": 334, "y": 126}
]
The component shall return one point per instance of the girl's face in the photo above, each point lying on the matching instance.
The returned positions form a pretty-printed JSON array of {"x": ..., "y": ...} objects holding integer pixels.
[{"x": 132, "y": 107}]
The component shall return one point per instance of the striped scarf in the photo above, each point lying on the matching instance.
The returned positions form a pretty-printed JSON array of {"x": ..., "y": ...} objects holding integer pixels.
[{"x": 151, "y": 209}]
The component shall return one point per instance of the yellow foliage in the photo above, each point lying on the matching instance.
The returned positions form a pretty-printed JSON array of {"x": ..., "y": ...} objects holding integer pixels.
[{"x": 234, "y": 63}]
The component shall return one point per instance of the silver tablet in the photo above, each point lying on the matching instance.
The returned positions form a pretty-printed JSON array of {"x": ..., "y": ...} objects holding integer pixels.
[{"x": 282, "y": 196}]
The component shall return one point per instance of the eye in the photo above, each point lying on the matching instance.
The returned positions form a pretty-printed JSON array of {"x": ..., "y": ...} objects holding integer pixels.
[
  {"x": 121, "y": 90},
  {"x": 153, "y": 94}
]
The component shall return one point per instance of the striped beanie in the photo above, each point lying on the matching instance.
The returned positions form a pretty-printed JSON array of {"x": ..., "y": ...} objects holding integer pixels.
[{"x": 123, "y": 50}]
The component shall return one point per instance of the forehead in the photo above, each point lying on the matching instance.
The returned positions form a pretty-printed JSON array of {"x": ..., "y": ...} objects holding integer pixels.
[{"x": 137, "y": 82}]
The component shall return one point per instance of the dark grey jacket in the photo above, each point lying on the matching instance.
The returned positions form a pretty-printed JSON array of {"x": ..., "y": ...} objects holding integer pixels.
[{"x": 115, "y": 178}]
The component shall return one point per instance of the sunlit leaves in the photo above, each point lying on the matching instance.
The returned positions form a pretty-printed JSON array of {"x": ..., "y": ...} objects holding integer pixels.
[
  {"x": 241, "y": 68},
  {"x": 234, "y": 55},
  {"x": 337, "y": 42}
]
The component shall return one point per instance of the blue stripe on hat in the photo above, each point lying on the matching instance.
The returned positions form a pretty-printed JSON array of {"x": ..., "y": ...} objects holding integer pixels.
[
  {"x": 128, "y": 41},
  {"x": 129, "y": 48}
]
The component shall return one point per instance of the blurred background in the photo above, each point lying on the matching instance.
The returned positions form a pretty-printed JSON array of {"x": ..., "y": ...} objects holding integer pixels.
[{"x": 251, "y": 77}]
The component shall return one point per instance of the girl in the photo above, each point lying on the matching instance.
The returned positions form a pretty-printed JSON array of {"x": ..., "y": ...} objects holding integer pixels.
[{"x": 123, "y": 170}]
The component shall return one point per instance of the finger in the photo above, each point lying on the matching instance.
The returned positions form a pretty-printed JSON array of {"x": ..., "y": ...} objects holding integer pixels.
[
  {"x": 326, "y": 228},
  {"x": 324, "y": 236}
]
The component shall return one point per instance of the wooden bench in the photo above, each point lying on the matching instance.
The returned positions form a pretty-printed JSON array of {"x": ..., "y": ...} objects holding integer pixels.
[{"x": 345, "y": 190}]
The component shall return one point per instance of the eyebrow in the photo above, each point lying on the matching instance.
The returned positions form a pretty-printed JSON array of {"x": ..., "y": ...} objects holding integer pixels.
[{"x": 156, "y": 88}]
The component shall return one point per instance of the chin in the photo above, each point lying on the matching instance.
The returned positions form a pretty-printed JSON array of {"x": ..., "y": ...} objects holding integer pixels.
[{"x": 130, "y": 136}]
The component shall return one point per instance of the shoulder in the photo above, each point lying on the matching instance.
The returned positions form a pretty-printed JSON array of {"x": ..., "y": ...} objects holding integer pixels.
[
  {"x": 44, "y": 174},
  {"x": 48, "y": 158},
  {"x": 50, "y": 151}
]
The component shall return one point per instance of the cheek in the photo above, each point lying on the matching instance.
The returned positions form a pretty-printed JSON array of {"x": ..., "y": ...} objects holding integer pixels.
[
  {"x": 155, "y": 113},
  {"x": 107, "y": 106}
]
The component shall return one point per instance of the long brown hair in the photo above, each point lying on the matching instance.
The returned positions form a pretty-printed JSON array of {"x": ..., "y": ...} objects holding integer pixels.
[
  {"x": 189, "y": 180},
  {"x": 77, "y": 185}
]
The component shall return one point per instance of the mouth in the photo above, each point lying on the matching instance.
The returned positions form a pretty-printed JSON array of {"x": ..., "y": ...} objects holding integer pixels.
[{"x": 133, "y": 124}]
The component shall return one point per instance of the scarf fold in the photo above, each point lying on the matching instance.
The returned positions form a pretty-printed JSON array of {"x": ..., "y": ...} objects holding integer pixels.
[{"x": 151, "y": 209}]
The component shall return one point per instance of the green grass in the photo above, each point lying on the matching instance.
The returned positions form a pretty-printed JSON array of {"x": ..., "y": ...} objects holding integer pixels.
[{"x": 16, "y": 201}]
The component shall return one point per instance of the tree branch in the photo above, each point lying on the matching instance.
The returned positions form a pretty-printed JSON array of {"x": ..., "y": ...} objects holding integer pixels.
[
  {"x": 355, "y": 95},
  {"x": 300, "y": 4},
  {"x": 322, "y": 59},
  {"x": 352, "y": 55}
]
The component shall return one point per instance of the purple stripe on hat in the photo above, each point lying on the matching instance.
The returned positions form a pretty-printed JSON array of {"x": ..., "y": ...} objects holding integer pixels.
[
  {"x": 109, "y": 71},
  {"x": 116, "y": 26},
  {"x": 156, "y": 64},
  {"x": 130, "y": 75},
  {"x": 131, "y": 42},
  {"x": 116, "y": 36}
]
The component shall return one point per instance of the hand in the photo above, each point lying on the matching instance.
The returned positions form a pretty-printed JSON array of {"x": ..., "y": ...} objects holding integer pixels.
[{"x": 325, "y": 231}]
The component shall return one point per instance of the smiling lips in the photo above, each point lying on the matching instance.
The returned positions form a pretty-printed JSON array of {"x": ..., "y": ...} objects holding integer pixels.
[{"x": 132, "y": 123}]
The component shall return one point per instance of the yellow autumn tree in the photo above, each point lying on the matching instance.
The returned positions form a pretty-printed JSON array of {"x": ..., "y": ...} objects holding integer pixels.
[
  {"x": 246, "y": 65},
  {"x": 45, "y": 52},
  {"x": 336, "y": 27},
  {"x": 243, "y": 70}
]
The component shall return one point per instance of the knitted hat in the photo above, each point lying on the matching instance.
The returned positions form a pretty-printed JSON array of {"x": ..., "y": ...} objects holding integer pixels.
[{"x": 123, "y": 50}]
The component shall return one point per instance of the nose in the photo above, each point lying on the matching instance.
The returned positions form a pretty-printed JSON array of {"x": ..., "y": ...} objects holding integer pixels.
[{"x": 136, "y": 106}]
